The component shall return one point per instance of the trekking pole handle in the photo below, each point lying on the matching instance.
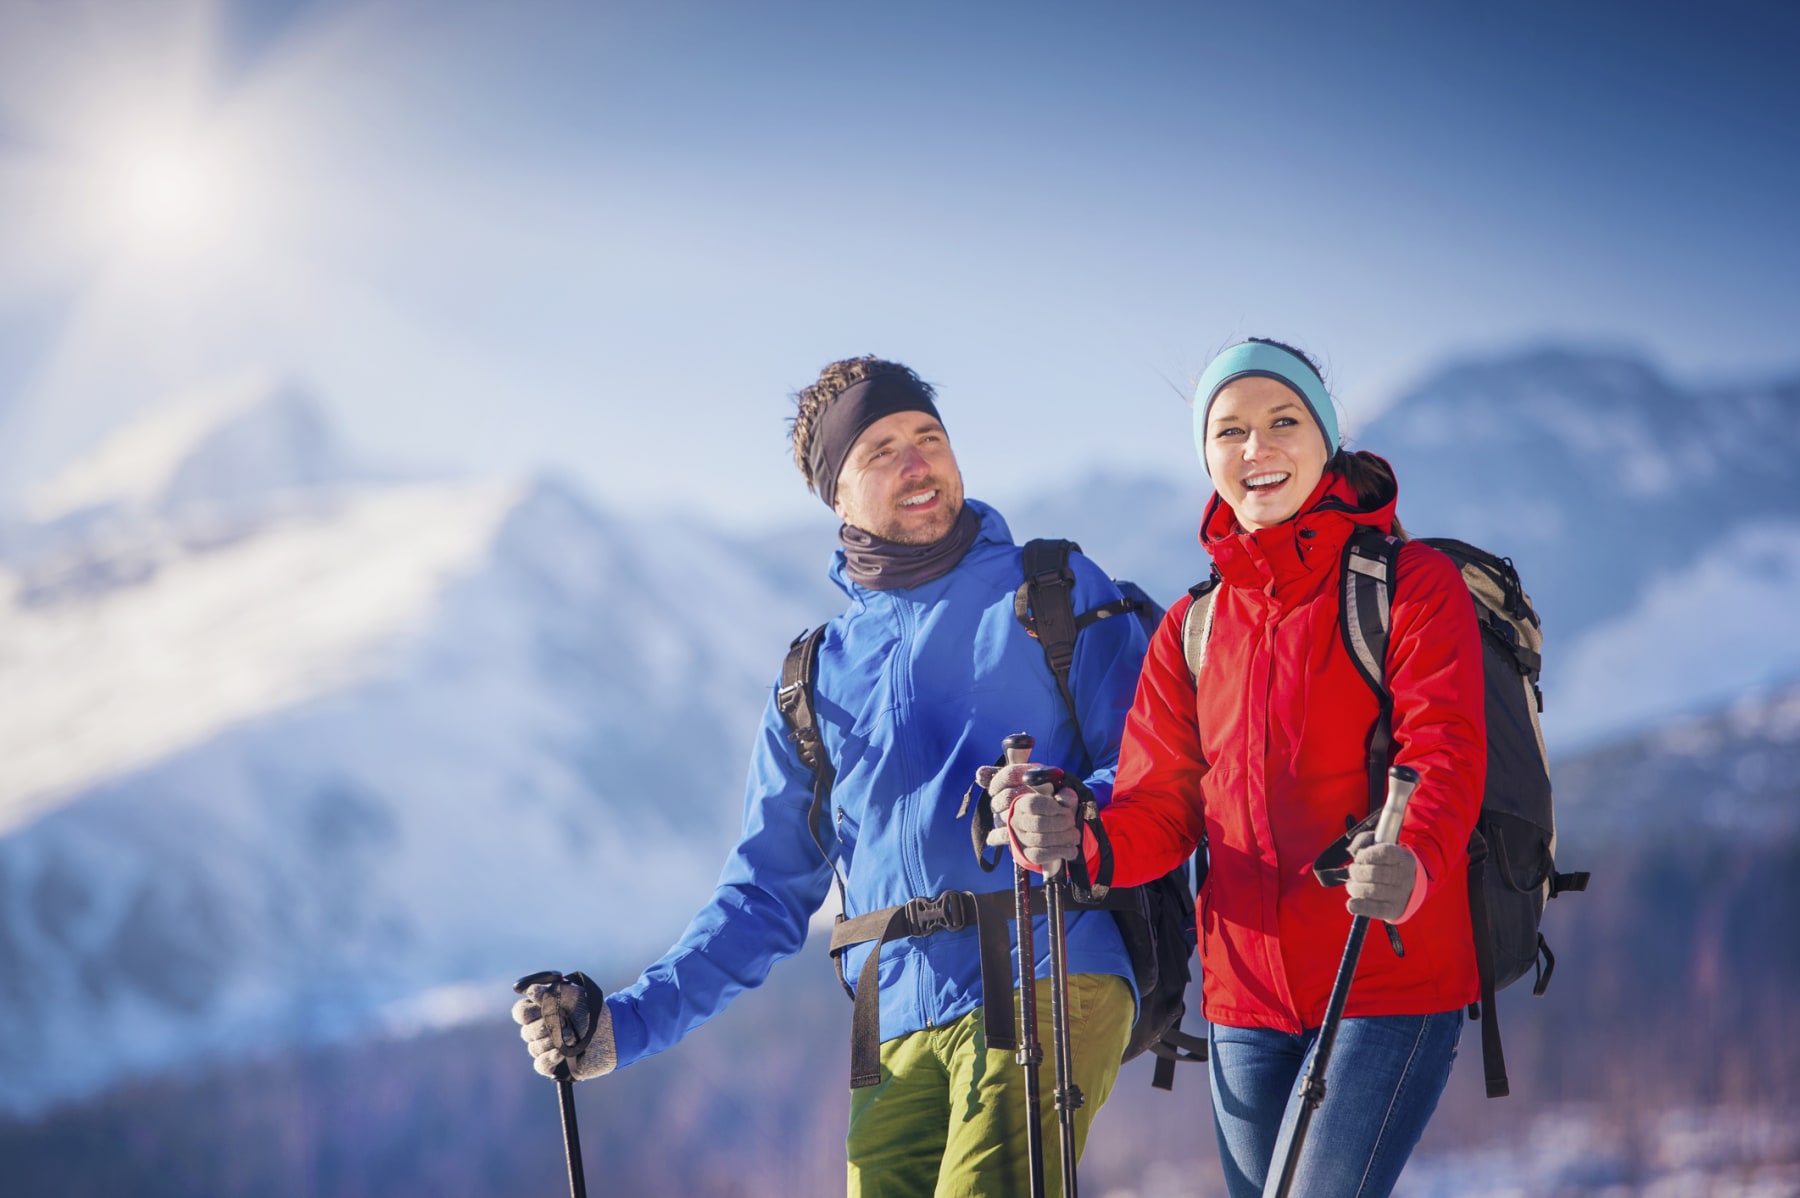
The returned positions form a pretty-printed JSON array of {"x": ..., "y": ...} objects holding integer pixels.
[
  {"x": 1017, "y": 748},
  {"x": 550, "y": 977},
  {"x": 1401, "y": 781},
  {"x": 1046, "y": 780}
]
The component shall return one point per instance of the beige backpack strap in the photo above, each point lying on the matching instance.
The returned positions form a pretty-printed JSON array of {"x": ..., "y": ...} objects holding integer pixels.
[{"x": 1196, "y": 625}]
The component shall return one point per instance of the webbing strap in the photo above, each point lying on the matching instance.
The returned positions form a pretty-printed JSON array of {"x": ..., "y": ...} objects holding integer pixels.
[
  {"x": 950, "y": 911},
  {"x": 1370, "y": 564},
  {"x": 1045, "y": 605},
  {"x": 1118, "y": 607},
  {"x": 1099, "y": 885},
  {"x": 1572, "y": 883},
  {"x": 1175, "y": 1046},
  {"x": 1197, "y": 622},
  {"x": 1493, "y": 1060},
  {"x": 794, "y": 701}
]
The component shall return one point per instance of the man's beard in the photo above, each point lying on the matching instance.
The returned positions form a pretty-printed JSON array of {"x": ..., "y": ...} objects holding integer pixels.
[{"x": 902, "y": 533}]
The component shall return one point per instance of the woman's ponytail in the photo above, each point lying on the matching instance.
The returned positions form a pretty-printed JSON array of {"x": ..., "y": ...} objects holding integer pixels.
[{"x": 1371, "y": 478}]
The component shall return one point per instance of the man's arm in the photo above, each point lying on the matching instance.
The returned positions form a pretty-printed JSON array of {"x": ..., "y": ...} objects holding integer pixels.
[{"x": 770, "y": 886}]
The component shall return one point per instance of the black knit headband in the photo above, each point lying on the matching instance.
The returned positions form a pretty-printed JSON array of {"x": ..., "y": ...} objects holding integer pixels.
[{"x": 849, "y": 416}]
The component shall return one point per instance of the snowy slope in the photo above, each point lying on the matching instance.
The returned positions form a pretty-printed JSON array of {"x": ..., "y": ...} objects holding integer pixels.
[
  {"x": 109, "y": 682},
  {"x": 234, "y": 443},
  {"x": 1730, "y": 775},
  {"x": 382, "y": 741},
  {"x": 1727, "y": 623}
]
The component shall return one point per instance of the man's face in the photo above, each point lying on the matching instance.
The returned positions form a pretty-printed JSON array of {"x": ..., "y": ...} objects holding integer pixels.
[{"x": 900, "y": 481}]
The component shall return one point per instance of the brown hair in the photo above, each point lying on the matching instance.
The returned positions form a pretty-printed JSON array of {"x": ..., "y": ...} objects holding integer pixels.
[
  {"x": 1371, "y": 478},
  {"x": 837, "y": 377}
]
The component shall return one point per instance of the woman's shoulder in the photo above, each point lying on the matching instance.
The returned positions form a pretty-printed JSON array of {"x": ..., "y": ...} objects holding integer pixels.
[{"x": 1423, "y": 567}]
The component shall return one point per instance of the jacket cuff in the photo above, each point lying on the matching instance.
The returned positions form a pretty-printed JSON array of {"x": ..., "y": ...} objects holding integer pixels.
[{"x": 1421, "y": 883}]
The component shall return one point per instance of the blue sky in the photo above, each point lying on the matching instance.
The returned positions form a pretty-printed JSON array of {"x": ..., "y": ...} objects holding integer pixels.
[{"x": 609, "y": 240}]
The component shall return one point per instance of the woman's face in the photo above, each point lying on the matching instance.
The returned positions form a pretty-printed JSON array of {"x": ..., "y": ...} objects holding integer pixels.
[{"x": 1264, "y": 450}]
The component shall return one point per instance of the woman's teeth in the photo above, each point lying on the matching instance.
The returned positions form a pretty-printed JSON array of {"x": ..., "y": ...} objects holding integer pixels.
[{"x": 1262, "y": 482}]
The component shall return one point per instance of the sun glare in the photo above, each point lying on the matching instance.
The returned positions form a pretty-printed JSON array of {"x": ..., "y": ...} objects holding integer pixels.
[{"x": 164, "y": 195}]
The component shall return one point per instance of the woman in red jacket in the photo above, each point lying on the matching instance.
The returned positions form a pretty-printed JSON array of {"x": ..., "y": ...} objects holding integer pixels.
[{"x": 1262, "y": 758}]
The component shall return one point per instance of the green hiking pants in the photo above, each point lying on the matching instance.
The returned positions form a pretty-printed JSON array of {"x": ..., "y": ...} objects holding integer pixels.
[{"x": 948, "y": 1116}]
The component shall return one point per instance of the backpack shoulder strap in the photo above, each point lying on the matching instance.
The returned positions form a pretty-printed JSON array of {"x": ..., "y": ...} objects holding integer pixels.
[
  {"x": 794, "y": 700},
  {"x": 1196, "y": 624},
  {"x": 1371, "y": 560},
  {"x": 1045, "y": 605}
]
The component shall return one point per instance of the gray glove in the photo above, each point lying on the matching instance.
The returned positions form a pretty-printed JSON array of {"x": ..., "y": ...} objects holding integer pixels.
[
  {"x": 1039, "y": 829},
  {"x": 554, "y": 1017},
  {"x": 1381, "y": 878}
]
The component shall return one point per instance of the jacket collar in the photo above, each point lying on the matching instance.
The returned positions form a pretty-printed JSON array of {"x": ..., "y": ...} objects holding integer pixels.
[{"x": 1278, "y": 559}]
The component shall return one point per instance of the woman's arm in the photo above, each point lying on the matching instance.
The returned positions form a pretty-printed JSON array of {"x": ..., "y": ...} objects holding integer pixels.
[{"x": 1157, "y": 818}]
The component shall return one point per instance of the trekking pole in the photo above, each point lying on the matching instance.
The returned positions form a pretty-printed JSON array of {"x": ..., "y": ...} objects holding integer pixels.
[
  {"x": 1068, "y": 1094},
  {"x": 1401, "y": 780},
  {"x": 565, "y": 1085},
  {"x": 1017, "y": 748}
]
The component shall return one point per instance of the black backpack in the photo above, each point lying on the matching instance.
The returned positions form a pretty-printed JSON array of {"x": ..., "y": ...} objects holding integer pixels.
[
  {"x": 1512, "y": 864},
  {"x": 1156, "y": 921}
]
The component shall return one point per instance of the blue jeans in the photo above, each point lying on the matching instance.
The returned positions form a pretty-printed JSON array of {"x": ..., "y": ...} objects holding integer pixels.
[{"x": 1383, "y": 1082}]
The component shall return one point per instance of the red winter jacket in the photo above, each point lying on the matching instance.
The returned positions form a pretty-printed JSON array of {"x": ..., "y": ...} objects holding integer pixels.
[{"x": 1266, "y": 758}]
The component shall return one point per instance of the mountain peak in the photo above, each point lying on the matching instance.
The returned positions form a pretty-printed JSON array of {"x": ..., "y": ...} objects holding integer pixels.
[{"x": 235, "y": 443}]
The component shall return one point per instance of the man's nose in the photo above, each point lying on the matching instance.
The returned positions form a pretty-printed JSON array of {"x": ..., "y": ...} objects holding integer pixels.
[{"x": 912, "y": 462}]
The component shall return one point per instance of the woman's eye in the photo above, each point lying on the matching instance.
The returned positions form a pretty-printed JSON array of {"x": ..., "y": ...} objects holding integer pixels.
[
  {"x": 1283, "y": 422},
  {"x": 1224, "y": 433}
]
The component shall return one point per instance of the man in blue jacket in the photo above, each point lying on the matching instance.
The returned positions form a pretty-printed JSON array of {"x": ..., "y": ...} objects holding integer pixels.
[{"x": 918, "y": 681}]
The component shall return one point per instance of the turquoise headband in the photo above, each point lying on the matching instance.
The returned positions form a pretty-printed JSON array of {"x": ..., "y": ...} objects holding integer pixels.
[{"x": 1268, "y": 361}]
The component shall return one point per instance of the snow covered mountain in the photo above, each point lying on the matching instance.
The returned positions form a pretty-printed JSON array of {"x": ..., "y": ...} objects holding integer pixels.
[
  {"x": 232, "y": 446},
  {"x": 1600, "y": 477},
  {"x": 1729, "y": 776},
  {"x": 1657, "y": 527},
  {"x": 382, "y": 738}
]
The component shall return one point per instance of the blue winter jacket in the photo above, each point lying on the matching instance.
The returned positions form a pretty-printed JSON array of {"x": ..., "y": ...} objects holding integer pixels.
[{"x": 916, "y": 689}]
